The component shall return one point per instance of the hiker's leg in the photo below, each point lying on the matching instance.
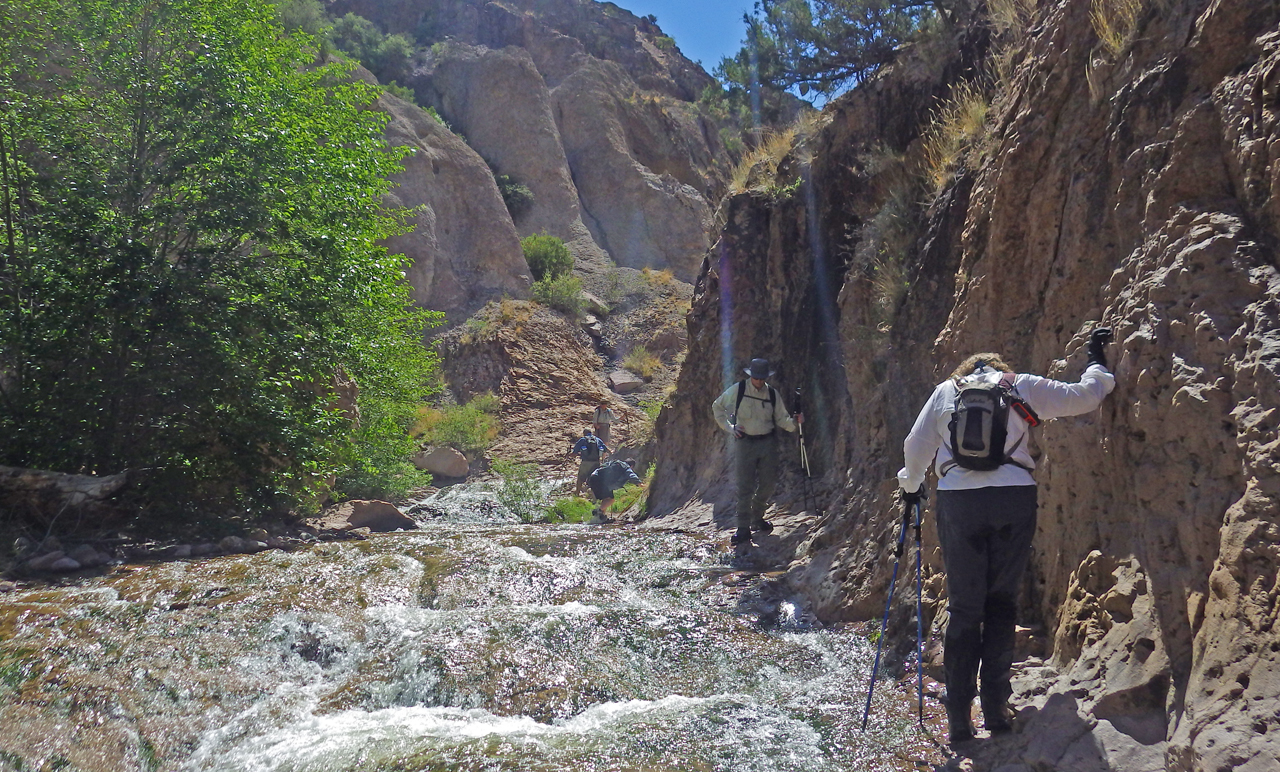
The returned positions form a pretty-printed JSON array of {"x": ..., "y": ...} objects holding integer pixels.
[
  {"x": 964, "y": 554},
  {"x": 585, "y": 468},
  {"x": 1013, "y": 524},
  {"x": 767, "y": 471},
  {"x": 602, "y": 431},
  {"x": 746, "y": 462}
]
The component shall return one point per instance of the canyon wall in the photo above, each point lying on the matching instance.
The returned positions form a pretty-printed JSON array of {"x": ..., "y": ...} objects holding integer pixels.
[
  {"x": 1131, "y": 187},
  {"x": 588, "y": 106}
]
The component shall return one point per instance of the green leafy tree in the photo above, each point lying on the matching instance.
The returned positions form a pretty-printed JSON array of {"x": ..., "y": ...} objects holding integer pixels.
[
  {"x": 191, "y": 219},
  {"x": 547, "y": 256},
  {"x": 389, "y": 57},
  {"x": 306, "y": 15}
]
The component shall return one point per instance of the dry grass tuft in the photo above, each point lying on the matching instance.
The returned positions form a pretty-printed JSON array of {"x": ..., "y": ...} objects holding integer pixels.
[
  {"x": 760, "y": 166},
  {"x": 642, "y": 362},
  {"x": 957, "y": 123},
  {"x": 1011, "y": 17},
  {"x": 1116, "y": 21},
  {"x": 663, "y": 278}
]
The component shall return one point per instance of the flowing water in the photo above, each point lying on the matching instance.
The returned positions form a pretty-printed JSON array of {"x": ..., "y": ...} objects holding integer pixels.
[{"x": 471, "y": 644}]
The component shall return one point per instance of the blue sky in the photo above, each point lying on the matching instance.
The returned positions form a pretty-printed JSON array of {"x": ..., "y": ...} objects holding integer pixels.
[{"x": 705, "y": 30}]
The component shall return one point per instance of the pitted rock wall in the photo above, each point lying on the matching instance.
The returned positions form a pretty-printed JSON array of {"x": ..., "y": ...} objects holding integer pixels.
[{"x": 1135, "y": 190}]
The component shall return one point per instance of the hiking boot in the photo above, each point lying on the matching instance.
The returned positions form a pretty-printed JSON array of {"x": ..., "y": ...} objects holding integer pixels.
[
  {"x": 740, "y": 536},
  {"x": 763, "y": 526},
  {"x": 597, "y": 517},
  {"x": 997, "y": 720},
  {"x": 959, "y": 727}
]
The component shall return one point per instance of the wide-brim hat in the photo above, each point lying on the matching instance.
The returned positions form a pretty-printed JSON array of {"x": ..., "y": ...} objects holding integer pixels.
[{"x": 759, "y": 369}]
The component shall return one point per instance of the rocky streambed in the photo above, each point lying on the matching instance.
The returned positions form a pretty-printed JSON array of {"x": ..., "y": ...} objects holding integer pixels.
[{"x": 470, "y": 643}]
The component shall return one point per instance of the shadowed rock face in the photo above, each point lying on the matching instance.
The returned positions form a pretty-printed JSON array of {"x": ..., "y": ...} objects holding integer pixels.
[
  {"x": 1138, "y": 193},
  {"x": 586, "y": 105}
]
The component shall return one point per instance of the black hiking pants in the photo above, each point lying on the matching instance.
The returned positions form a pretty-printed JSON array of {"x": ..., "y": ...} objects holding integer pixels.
[{"x": 986, "y": 542}]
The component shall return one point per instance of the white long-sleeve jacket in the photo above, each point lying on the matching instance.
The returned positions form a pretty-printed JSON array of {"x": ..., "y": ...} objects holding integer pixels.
[{"x": 928, "y": 440}]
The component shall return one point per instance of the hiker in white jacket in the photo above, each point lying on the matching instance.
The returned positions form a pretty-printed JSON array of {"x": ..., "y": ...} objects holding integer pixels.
[{"x": 987, "y": 510}]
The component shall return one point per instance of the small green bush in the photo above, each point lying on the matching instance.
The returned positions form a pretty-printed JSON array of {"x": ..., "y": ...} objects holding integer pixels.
[
  {"x": 547, "y": 256},
  {"x": 520, "y": 491},
  {"x": 665, "y": 43},
  {"x": 571, "y": 510},
  {"x": 405, "y": 93},
  {"x": 517, "y": 197},
  {"x": 563, "y": 293},
  {"x": 470, "y": 428},
  {"x": 624, "y": 498}
]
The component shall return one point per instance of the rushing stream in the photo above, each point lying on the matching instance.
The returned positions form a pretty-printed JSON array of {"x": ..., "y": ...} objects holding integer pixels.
[{"x": 462, "y": 646}]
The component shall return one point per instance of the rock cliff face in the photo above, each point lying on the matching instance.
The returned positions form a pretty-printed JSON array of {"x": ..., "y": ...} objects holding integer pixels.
[
  {"x": 588, "y": 106},
  {"x": 1134, "y": 188},
  {"x": 463, "y": 248}
]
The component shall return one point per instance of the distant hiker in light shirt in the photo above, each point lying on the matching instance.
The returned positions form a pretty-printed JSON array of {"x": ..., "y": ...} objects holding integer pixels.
[
  {"x": 987, "y": 510},
  {"x": 602, "y": 420},
  {"x": 590, "y": 451},
  {"x": 751, "y": 410}
]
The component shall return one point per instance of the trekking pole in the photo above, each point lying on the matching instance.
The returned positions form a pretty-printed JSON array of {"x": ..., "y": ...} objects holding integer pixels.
[
  {"x": 919, "y": 623},
  {"x": 807, "y": 483},
  {"x": 884, "y": 623}
]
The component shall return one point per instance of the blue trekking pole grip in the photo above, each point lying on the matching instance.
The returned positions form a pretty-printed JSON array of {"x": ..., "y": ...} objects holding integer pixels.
[{"x": 884, "y": 622}]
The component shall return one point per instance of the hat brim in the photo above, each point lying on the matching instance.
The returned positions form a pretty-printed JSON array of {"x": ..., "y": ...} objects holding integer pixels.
[{"x": 747, "y": 370}]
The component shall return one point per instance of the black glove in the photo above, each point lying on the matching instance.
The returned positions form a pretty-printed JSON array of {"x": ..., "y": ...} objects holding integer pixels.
[
  {"x": 912, "y": 498},
  {"x": 1098, "y": 339}
]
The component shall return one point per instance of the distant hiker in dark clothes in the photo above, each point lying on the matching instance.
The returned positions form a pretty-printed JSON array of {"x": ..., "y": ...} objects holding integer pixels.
[
  {"x": 607, "y": 479},
  {"x": 974, "y": 429},
  {"x": 751, "y": 410},
  {"x": 590, "y": 451},
  {"x": 602, "y": 421}
]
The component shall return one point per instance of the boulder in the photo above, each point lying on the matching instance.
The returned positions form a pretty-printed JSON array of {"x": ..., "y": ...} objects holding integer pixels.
[
  {"x": 232, "y": 545},
  {"x": 8, "y": 586},
  {"x": 45, "y": 562},
  {"x": 86, "y": 555},
  {"x": 65, "y": 564},
  {"x": 203, "y": 549},
  {"x": 182, "y": 551},
  {"x": 377, "y": 516},
  {"x": 624, "y": 382},
  {"x": 443, "y": 461}
]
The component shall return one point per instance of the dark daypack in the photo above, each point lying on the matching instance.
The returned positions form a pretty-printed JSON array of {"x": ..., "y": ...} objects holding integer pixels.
[
  {"x": 591, "y": 453},
  {"x": 979, "y": 425},
  {"x": 742, "y": 392}
]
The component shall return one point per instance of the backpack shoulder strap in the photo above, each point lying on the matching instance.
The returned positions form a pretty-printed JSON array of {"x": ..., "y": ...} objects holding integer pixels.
[{"x": 742, "y": 391}]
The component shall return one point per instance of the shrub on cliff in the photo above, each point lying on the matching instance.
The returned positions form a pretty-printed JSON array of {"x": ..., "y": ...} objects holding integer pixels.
[
  {"x": 189, "y": 252},
  {"x": 563, "y": 293},
  {"x": 547, "y": 256}
]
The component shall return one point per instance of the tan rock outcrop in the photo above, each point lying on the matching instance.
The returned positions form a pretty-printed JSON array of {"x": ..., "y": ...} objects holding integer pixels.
[
  {"x": 498, "y": 100},
  {"x": 578, "y": 103},
  {"x": 442, "y": 461},
  {"x": 463, "y": 249}
]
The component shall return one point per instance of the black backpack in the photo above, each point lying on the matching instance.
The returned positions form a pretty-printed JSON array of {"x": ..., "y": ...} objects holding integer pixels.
[
  {"x": 979, "y": 425},
  {"x": 591, "y": 453},
  {"x": 742, "y": 392}
]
